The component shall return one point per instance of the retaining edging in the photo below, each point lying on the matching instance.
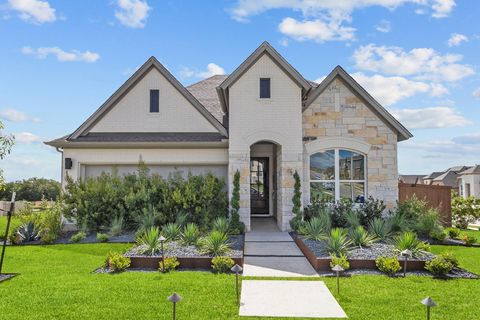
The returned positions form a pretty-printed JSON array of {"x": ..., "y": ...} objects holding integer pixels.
[{"x": 185, "y": 262}]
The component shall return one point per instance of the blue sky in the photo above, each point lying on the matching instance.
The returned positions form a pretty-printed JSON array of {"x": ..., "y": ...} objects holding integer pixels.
[{"x": 60, "y": 60}]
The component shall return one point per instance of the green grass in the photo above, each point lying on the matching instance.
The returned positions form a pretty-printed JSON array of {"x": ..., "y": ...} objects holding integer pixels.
[
  {"x": 57, "y": 282},
  {"x": 15, "y": 223},
  {"x": 467, "y": 256}
]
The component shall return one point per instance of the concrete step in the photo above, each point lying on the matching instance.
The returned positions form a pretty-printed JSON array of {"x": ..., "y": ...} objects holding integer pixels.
[
  {"x": 269, "y": 249},
  {"x": 258, "y": 236},
  {"x": 278, "y": 267}
]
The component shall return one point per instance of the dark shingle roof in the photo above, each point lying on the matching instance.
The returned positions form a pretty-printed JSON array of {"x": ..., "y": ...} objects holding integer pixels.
[
  {"x": 205, "y": 92},
  {"x": 472, "y": 170},
  {"x": 150, "y": 137}
]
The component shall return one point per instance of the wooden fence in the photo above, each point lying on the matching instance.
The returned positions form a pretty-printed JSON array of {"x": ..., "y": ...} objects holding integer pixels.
[{"x": 436, "y": 197}]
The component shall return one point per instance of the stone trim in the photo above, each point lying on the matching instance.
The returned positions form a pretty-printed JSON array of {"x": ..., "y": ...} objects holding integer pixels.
[{"x": 337, "y": 142}]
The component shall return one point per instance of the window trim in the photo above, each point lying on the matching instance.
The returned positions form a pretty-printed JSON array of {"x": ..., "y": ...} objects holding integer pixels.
[
  {"x": 151, "y": 100},
  {"x": 269, "y": 88},
  {"x": 337, "y": 179}
]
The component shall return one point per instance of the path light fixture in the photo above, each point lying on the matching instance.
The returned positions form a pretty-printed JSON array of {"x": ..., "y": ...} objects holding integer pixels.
[
  {"x": 337, "y": 270},
  {"x": 428, "y": 301},
  {"x": 9, "y": 218},
  {"x": 162, "y": 240},
  {"x": 174, "y": 298},
  {"x": 405, "y": 254},
  {"x": 237, "y": 269}
]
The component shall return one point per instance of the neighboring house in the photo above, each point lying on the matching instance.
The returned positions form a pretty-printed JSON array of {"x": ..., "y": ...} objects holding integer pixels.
[
  {"x": 469, "y": 182},
  {"x": 411, "y": 178},
  {"x": 448, "y": 177},
  {"x": 264, "y": 120}
]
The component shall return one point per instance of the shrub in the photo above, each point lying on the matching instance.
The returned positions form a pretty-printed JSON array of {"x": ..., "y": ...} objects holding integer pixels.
[
  {"x": 317, "y": 207},
  {"x": 337, "y": 243},
  {"x": 409, "y": 241},
  {"x": 150, "y": 241},
  {"x": 361, "y": 238},
  {"x": 380, "y": 228},
  {"x": 297, "y": 203},
  {"x": 147, "y": 219},
  {"x": 397, "y": 222},
  {"x": 116, "y": 227},
  {"x": 353, "y": 219},
  {"x": 369, "y": 210},
  {"x": 341, "y": 261},
  {"x": 411, "y": 208},
  {"x": 221, "y": 224},
  {"x": 117, "y": 262},
  {"x": 438, "y": 266},
  {"x": 236, "y": 227},
  {"x": 171, "y": 231},
  {"x": 190, "y": 234},
  {"x": 171, "y": 264},
  {"x": 388, "y": 265},
  {"x": 216, "y": 243},
  {"x": 453, "y": 233},
  {"x": 222, "y": 264},
  {"x": 77, "y": 237},
  {"x": 102, "y": 237},
  {"x": 28, "y": 232},
  {"x": 449, "y": 257},
  {"x": 427, "y": 223},
  {"x": 339, "y": 211},
  {"x": 469, "y": 240},
  {"x": 316, "y": 228},
  {"x": 51, "y": 222},
  {"x": 438, "y": 235},
  {"x": 465, "y": 210}
]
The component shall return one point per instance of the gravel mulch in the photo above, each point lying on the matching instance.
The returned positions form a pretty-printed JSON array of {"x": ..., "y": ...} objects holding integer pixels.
[
  {"x": 451, "y": 242},
  {"x": 456, "y": 273},
  {"x": 376, "y": 250},
  {"x": 177, "y": 249}
]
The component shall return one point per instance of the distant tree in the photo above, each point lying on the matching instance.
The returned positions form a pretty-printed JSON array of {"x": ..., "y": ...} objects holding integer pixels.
[
  {"x": 33, "y": 189},
  {"x": 6, "y": 143}
]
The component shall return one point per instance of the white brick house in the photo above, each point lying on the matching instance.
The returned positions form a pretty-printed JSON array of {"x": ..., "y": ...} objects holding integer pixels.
[{"x": 264, "y": 120}]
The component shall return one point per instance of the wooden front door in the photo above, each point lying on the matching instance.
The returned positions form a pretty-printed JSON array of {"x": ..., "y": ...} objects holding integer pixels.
[{"x": 259, "y": 188}]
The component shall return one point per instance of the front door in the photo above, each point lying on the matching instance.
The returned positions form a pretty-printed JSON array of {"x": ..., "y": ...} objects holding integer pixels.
[{"x": 259, "y": 191}]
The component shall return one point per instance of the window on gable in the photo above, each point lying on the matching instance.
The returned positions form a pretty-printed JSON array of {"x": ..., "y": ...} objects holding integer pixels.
[
  {"x": 337, "y": 174},
  {"x": 154, "y": 101},
  {"x": 265, "y": 88}
]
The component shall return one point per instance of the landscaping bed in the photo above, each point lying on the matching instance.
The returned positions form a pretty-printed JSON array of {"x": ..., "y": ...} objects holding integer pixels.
[{"x": 189, "y": 256}]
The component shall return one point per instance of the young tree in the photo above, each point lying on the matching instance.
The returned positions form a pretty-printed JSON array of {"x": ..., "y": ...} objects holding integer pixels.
[
  {"x": 6, "y": 143},
  {"x": 236, "y": 225},
  {"x": 297, "y": 203}
]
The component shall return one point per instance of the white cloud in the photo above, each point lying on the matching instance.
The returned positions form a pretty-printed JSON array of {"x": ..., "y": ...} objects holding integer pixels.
[
  {"x": 212, "y": 69},
  {"x": 132, "y": 13},
  {"x": 316, "y": 30},
  {"x": 61, "y": 55},
  {"x": 26, "y": 137},
  {"x": 456, "y": 39},
  {"x": 442, "y": 8},
  {"x": 14, "y": 115},
  {"x": 35, "y": 11},
  {"x": 476, "y": 93},
  {"x": 423, "y": 63},
  {"x": 390, "y": 90},
  {"x": 384, "y": 26},
  {"x": 427, "y": 118}
]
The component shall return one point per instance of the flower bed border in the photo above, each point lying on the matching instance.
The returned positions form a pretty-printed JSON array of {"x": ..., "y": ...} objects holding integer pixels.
[
  {"x": 185, "y": 262},
  {"x": 323, "y": 264}
]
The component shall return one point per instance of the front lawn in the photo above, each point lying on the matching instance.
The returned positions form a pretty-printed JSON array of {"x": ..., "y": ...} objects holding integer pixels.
[
  {"x": 14, "y": 224},
  {"x": 468, "y": 256},
  {"x": 56, "y": 282}
]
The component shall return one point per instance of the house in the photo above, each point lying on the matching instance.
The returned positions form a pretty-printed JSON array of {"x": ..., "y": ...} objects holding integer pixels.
[
  {"x": 411, "y": 178},
  {"x": 448, "y": 177},
  {"x": 469, "y": 182},
  {"x": 264, "y": 120}
]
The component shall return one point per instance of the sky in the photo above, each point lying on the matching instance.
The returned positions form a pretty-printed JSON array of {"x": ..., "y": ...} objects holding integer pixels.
[{"x": 60, "y": 60}]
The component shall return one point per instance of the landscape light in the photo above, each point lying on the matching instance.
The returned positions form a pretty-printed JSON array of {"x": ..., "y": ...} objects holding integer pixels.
[
  {"x": 338, "y": 269},
  {"x": 174, "y": 298},
  {"x": 162, "y": 239},
  {"x": 428, "y": 301},
  {"x": 237, "y": 269},
  {"x": 405, "y": 254}
]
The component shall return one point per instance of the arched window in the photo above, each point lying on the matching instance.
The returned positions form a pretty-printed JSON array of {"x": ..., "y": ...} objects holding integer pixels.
[{"x": 337, "y": 174}]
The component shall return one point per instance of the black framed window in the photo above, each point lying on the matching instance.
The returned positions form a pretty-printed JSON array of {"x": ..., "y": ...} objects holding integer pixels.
[
  {"x": 154, "y": 101},
  {"x": 265, "y": 88}
]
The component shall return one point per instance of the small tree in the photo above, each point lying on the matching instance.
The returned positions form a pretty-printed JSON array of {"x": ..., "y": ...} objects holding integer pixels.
[
  {"x": 465, "y": 210},
  {"x": 6, "y": 143},
  {"x": 297, "y": 203},
  {"x": 236, "y": 225}
]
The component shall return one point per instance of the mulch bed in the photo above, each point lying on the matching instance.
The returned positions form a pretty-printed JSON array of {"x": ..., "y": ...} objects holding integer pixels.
[
  {"x": 451, "y": 242},
  {"x": 456, "y": 273}
]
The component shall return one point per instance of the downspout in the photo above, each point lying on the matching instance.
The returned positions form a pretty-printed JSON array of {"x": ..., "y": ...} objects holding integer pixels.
[{"x": 59, "y": 149}]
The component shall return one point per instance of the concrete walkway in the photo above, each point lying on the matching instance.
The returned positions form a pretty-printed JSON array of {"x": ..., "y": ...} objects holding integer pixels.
[{"x": 271, "y": 253}]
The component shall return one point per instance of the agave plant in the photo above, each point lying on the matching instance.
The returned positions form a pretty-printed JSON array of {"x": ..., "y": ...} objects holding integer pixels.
[
  {"x": 316, "y": 228},
  {"x": 116, "y": 226},
  {"x": 380, "y": 228},
  {"x": 352, "y": 218},
  {"x": 361, "y": 238},
  {"x": 190, "y": 234},
  {"x": 171, "y": 231},
  {"x": 409, "y": 241},
  {"x": 216, "y": 243},
  {"x": 221, "y": 224},
  {"x": 338, "y": 243},
  {"x": 28, "y": 231},
  {"x": 150, "y": 241}
]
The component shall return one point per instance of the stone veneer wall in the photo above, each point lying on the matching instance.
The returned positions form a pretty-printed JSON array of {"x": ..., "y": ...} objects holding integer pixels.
[{"x": 339, "y": 113}]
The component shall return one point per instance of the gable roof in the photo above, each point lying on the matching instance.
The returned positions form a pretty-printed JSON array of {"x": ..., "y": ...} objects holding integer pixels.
[
  {"x": 403, "y": 133},
  {"x": 472, "y": 170},
  {"x": 151, "y": 63},
  {"x": 264, "y": 48}
]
